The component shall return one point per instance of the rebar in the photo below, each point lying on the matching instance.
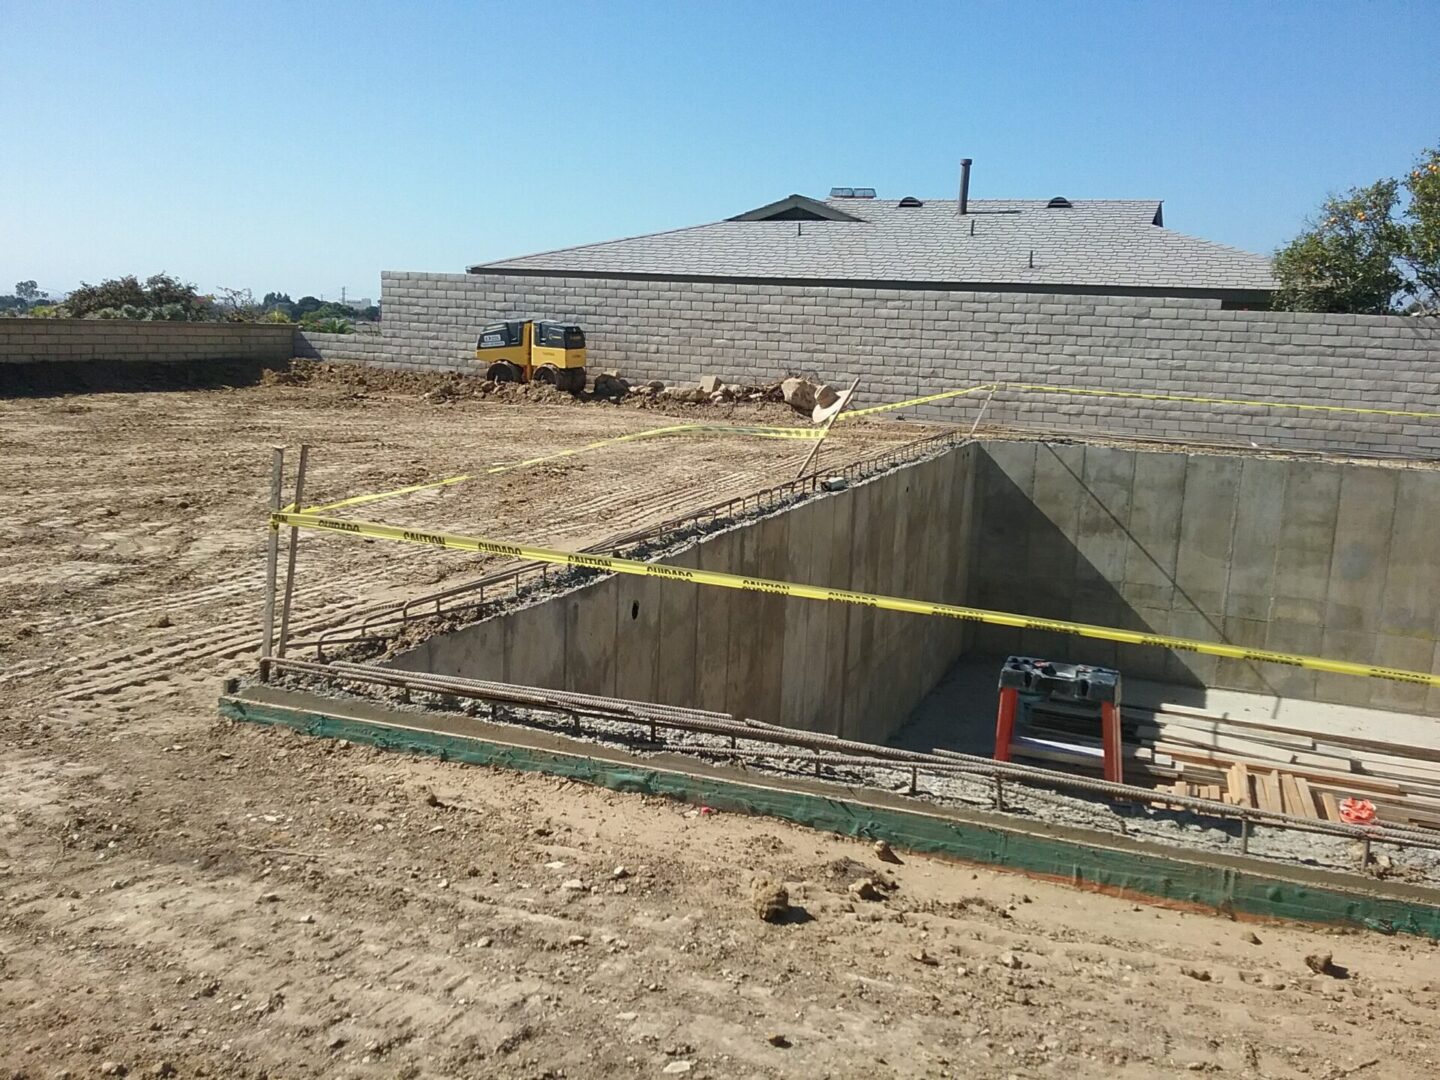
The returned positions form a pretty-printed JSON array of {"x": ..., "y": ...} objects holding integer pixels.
[{"x": 940, "y": 762}]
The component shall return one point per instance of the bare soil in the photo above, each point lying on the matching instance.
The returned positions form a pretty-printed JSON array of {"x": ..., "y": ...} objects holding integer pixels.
[{"x": 186, "y": 897}]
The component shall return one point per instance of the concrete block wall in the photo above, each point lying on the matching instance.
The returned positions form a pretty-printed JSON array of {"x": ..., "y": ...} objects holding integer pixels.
[
  {"x": 808, "y": 664},
  {"x": 1311, "y": 557},
  {"x": 39, "y": 341},
  {"x": 910, "y": 342},
  {"x": 357, "y": 348}
]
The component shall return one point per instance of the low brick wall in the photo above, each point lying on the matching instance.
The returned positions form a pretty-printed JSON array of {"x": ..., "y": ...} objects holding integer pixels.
[
  {"x": 908, "y": 342},
  {"x": 39, "y": 341}
]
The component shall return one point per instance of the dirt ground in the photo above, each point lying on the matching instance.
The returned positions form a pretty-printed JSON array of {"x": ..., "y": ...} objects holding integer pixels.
[{"x": 187, "y": 897}]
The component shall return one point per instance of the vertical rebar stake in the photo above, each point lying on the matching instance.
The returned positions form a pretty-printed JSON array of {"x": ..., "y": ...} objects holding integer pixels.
[
  {"x": 272, "y": 559},
  {"x": 1245, "y": 836},
  {"x": 914, "y": 779},
  {"x": 999, "y": 793},
  {"x": 1364, "y": 853},
  {"x": 290, "y": 561}
]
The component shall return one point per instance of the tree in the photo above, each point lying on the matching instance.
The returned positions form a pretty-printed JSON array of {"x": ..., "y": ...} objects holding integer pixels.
[
  {"x": 1367, "y": 254},
  {"x": 160, "y": 297},
  {"x": 28, "y": 291}
]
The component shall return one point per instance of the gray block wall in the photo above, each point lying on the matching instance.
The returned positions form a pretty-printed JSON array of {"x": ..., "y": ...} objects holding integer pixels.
[
  {"x": 832, "y": 667},
  {"x": 1311, "y": 557},
  {"x": 357, "y": 348},
  {"x": 905, "y": 343},
  {"x": 35, "y": 341}
]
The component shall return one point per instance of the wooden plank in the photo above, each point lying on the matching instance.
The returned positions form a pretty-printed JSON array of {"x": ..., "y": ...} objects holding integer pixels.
[
  {"x": 1240, "y": 784},
  {"x": 1330, "y": 805},
  {"x": 1248, "y": 748},
  {"x": 1267, "y": 790},
  {"x": 1212, "y": 791},
  {"x": 1293, "y": 802},
  {"x": 1307, "y": 797},
  {"x": 1342, "y": 781}
]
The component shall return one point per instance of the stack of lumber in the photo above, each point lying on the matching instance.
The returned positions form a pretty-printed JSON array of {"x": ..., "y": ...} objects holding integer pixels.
[{"x": 1246, "y": 762}]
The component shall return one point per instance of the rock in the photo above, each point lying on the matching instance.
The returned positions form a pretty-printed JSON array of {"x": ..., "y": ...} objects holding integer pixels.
[
  {"x": 776, "y": 1039},
  {"x": 574, "y": 884},
  {"x": 1196, "y": 973},
  {"x": 267, "y": 898},
  {"x": 162, "y": 1069},
  {"x": 627, "y": 1017},
  {"x": 771, "y": 901},
  {"x": 306, "y": 919},
  {"x": 336, "y": 1043},
  {"x": 923, "y": 957},
  {"x": 1321, "y": 963},
  {"x": 681, "y": 1066},
  {"x": 866, "y": 889},
  {"x": 1010, "y": 960},
  {"x": 885, "y": 853},
  {"x": 1251, "y": 937},
  {"x": 620, "y": 872},
  {"x": 609, "y": 385},
  {"x": 484, "y": 943},
  {"x": 799, "y": 394},
  {"x": 113, "y": 1068},
  {"x": 654, "y": 386},
  {"x": 164, "y": 620},
  {"x": 711, "y": 383}
]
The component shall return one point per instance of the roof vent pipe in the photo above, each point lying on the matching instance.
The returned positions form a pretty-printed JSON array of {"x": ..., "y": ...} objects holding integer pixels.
[{"x": 964, "y": 185}]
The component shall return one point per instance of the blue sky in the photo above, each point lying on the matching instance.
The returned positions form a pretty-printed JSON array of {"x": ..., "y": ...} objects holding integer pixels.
[{"x": 308, "y": 147}]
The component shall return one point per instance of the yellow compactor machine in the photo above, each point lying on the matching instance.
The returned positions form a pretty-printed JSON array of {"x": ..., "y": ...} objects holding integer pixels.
[{"x": 527, "y": 350}]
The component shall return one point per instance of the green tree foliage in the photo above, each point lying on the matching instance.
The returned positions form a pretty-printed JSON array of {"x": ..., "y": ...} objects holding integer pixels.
[
  {"x": 1368, "y": 252},
  {"x": 327, "y": 324},
  {"x": 27, "y": 295},
  {"x": 160, "y": 296}
]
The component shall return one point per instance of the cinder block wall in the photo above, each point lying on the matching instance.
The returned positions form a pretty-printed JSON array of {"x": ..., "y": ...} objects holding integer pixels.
[
  {"x": 33, "y": 341},
  {"x": 905, "y": 343},
  {"x": 355, "y": 348}
]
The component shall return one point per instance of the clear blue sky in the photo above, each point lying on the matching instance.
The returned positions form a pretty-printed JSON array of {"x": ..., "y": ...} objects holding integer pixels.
[{"x": 302, "y": 147}]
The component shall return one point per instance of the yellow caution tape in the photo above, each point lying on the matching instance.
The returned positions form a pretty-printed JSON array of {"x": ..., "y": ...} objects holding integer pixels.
[
  {"x": 912, "y": 402},
  {"x": 1047, "y": 388},
  {"x": 610, "y": 564},
  {"x": 674, "y": 429}
]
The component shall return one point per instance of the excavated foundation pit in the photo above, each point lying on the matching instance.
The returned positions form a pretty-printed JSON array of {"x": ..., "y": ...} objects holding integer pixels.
[{"x": 1288, "y": 553}]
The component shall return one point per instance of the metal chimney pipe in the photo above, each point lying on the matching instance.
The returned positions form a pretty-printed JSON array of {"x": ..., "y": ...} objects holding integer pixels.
[{"x": 964, "y": 185}]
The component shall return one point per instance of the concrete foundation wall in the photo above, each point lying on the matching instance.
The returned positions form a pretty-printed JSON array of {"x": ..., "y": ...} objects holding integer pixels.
[
  {"x": 1318, "y": 558},
  {"x": 909, "y": 342},
  {"x": 34, "y": 341},
  {"x": 1288, "y": 554},
  {"x": 819, "y": 666}
]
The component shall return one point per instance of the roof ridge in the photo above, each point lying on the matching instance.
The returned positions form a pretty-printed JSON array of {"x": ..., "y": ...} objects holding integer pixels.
[{"x": 596, "y": 244}]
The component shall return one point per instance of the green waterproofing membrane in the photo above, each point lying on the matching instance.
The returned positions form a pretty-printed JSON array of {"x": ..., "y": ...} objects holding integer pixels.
[{"x": 1239, "y": 886}]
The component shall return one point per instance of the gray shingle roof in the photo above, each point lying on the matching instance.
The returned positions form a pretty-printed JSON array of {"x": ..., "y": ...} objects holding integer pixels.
[{"x": 1094, "y": 244}]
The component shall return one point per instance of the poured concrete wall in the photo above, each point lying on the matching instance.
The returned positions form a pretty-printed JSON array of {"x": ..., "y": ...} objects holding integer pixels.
[
  {"x": 1288, "y": 554},
  {"x": 820, "y": 666},
  {"x": 1319, "y": 558}
]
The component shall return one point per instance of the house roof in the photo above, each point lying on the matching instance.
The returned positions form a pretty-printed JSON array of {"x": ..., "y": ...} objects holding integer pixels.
[{"x": 1090, "y": 245}]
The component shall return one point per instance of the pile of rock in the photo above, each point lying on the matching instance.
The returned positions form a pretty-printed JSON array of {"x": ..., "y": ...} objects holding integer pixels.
[{"x": 710, "y": 390}]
